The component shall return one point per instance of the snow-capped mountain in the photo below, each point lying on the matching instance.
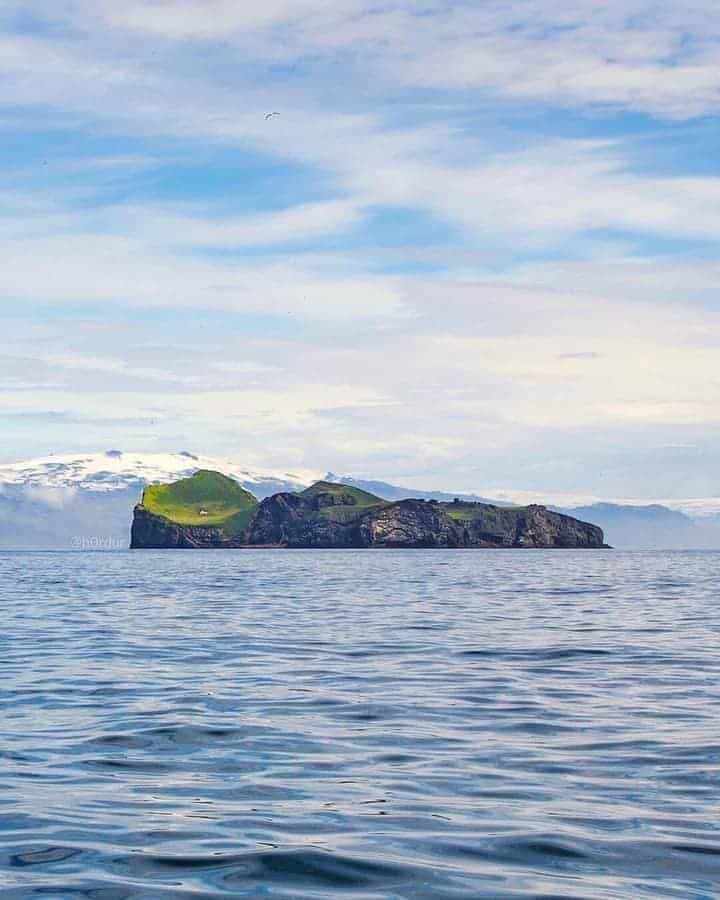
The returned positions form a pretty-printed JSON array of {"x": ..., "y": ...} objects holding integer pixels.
[
  {"x": 85, "y": 501},
  {"x": 115, "y": 470}
]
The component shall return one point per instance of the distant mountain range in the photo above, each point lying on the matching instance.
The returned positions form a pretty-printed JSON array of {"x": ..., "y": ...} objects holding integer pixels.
[
  {"x": 633, "y": 526},
  {"x": 85, "y": 501},
  {"x": 652, "y": 527}
]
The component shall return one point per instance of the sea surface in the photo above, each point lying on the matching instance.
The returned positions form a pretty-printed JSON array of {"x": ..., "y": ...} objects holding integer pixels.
[{"x": 360, "y": 724}]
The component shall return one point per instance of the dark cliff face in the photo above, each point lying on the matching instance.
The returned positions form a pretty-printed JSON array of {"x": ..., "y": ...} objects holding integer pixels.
[
  {"x": 532, "y": 526},
  {"x": 324, "y": 520},
  {"x": 153, "y": 532},
  {"x": 409, "y": 523},
  {"x": 290, "y": 520},
  {"x": 415, "y": 523}
]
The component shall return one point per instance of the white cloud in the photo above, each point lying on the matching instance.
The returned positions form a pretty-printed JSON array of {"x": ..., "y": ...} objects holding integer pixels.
[
  {"x": 300, "y": 223},
  {"x": 54, "y": 498},
  {"x": 674, "y": 285},
  {"x": 639, "y": 54},
  {"x": 124, "y": 271},
  {"x": 219, "y": 19},
  {"x": 562, "y": 188},
  {"x": 400, "y": 375},
  {"x": 56, "y": 250},
  {"x": 291, "y": 408},
  {"x": 543, "y": 194},
  {"x": 636, "y": 54},
  {"x": 495, "y": 364}
]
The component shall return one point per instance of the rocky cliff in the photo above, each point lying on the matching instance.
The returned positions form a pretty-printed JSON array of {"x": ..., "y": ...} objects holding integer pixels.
[
  {"x": 151, "y": 531},
  {"x": 336, "y": 516},
  {"x": 206, "y": 510},
  {"x": 290, "y": 520}
]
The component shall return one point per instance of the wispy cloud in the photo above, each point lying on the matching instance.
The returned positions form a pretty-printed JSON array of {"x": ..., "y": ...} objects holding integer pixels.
[
  {"x": 459, "y": 239},
  {"x": 638, "y": 54}
]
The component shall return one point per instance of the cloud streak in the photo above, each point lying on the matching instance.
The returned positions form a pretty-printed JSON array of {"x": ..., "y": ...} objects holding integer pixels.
[
  {"x": 640, "y": 54},
  {"x": 475, "y": 232}
]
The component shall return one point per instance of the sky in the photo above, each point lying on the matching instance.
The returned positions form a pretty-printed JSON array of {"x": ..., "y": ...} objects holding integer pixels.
[{"x": 476, "y": 249}]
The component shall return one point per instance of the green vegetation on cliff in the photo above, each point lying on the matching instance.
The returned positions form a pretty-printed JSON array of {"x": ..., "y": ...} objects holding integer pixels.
[
  {"x": 469, "y": 512},
  {"x": 359, "y": 497},
  {"x": 339, "y": 502},
  {"x": 207, "y": 498},
  {"x": 210, "y": 510}
]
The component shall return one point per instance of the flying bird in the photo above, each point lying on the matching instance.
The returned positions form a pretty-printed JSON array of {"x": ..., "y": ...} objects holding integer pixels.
[{"x": 270, "y": 115}]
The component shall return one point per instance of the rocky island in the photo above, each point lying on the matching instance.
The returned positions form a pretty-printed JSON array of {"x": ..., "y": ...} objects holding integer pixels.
[{"x": 210, "y": 510}]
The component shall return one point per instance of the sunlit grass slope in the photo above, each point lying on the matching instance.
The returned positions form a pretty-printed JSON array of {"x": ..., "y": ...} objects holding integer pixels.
[
  {"x": 207, "y": 498},
  {"x": 362, "y": 500},
  {"x": 461, "y": 512}
]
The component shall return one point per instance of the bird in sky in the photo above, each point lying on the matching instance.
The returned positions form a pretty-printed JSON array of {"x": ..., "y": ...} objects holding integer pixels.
[{"x": 270, "y": 115}]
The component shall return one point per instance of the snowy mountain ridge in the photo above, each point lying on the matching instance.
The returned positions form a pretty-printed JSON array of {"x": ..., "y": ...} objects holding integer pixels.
[
  {"x": 86, "y": 500},
  {"x": 115, "y": 470}
]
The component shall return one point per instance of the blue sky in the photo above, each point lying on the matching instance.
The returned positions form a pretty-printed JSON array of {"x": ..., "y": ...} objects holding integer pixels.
[{"x": 477, "y": 248}]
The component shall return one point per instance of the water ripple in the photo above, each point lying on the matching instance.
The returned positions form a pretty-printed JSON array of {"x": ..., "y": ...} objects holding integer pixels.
[{"x": 360, "y": 725}]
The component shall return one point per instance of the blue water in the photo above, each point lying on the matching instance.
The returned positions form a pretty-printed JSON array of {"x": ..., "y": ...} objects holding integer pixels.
[{"x": 382, "y": 724}]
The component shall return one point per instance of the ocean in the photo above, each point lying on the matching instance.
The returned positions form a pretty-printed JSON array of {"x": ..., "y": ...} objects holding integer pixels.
[{"x": 360, "y": 724}]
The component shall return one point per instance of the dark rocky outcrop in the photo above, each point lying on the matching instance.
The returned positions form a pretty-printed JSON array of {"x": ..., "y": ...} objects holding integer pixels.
[
  {"x": 290, "y": 521},
  {"x": 154, "y": 532},
  {"x": 409, "y": 523},
  {"x": 336, "y": 516}
]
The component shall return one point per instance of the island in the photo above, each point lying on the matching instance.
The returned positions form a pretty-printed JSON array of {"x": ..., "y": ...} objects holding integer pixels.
[{"x": 210, "y": 510}]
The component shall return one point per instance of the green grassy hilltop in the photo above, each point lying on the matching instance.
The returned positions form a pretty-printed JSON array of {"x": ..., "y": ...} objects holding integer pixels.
[
  {"x": 361, "y": 498},
  {"x": 207, "y": 498},
  {"x": 344, "y": 503}
]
